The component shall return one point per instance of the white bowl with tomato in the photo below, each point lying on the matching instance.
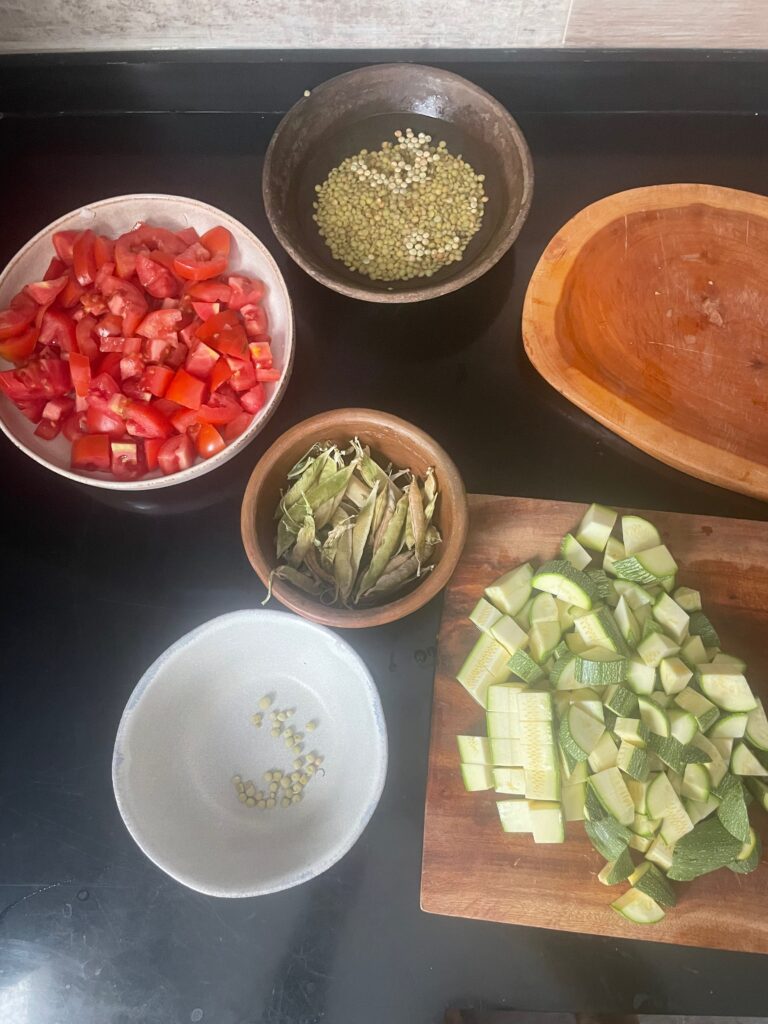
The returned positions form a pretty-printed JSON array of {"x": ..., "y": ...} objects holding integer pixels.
[{"x": 144, "y": 341}]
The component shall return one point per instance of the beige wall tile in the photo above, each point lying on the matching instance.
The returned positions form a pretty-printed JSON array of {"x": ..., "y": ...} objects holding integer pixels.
[{"x": 669, "y": 23}]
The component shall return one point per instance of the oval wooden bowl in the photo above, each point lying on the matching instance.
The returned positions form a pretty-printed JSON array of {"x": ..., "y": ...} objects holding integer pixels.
[
  {"x": 649, "y": 310},
  {"x": 394, "y": 440},
  {"x": 361, "y": 109}
]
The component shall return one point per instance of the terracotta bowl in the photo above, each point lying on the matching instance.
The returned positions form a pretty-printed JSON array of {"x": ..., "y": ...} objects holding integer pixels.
[
  {"x": 390, "y": 438},
  {"x": 363, "y": 108}
]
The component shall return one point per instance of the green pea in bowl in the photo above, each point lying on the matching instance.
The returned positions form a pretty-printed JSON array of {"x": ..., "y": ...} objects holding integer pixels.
[{"x": 359, "y": 111}]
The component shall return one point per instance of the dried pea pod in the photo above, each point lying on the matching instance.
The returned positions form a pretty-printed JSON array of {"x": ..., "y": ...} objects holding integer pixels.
[
  {"x": 296, "y": 578},
  {"x": 362, "y": 529},
  {"x": 418, "y": 522},
  {"x": 396, "y": 579},
  {"x": 386, "y": 547},
  {"x": 313, "y": 469},
  {"x": 430, "y": 495},
  {"x": 304, "y": 541},
  {"x": 326, "y": 495},
  {"x": 290, "y": 524},
  {"x": 342, "y": 567}
]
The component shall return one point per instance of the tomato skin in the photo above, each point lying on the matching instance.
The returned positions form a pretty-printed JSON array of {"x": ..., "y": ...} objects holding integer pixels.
[
  {"x": 85, "y": 343},
  {"x": 237, "y": 427},
  {"x": 183, "y": 419},
  {"x": 205, "y": 310},
  {"x": 19, "y": 347},
  {"x": 156, "y": 380},
  {"x": 145, "y": 236},
  {"x": 63, "y": 243},
  {"x": 103, "y": 251},
  {"x": 109, "y": 363},
  {"x": 162, "y": 323},
  {"x": 92, "y": 451},
  {"x": 56, "y": 268},
  {"x": 152, "y": 446},
  {"x": 32, "y": 408},
  {"x": 220, "y": 409},
  {"x": 201, "y": 361},
  {"x": 208, "y": 440},
  {"x": 74, "y": 426},
  {"x": 254, "y": 399},
  {"x": 209, "y": 291},
  {"x": 220, "y": 374},
  {"x": 155, "y": 278},
  {"x": 186, "y": 389},
  {"x": 131, "y": 366},
  {"x": 80, "y": 371},
  {"x": 177, "y": 453},
  {"x": 17, "y": 317},
  {"x": 44, "y": 292},
  {"x": 111, "y": 343},
  {"x": 245, "y": 291},
  {"x": 188, "y": 236},
  {"x": 58, "y": 328},
  {"x": 126, "y": 462},
  {"x": 83, "y": 260}
]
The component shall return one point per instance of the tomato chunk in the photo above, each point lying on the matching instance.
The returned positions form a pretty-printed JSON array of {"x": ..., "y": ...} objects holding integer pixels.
[
  {"x": 245, "y": 291},
  {"x": 18, "y": 317},
  {"x": 201, "y": 361},
  {"x": 219, "y": 409},
  {"x": 177, "y": 453},
  {"x": 44, "y": 292},
  {"x": 48, "y": 429},
  {"x": 92, "y": 451},
  {"x": 126, "y": 462},
  {"x": 254, "y": 399},
  {"x": 20, "y": 347},
  {"x": 63, "y": 243},
  {"x": 187, "y": 390},
  {"x": 154, "y": 277},
  {"x": 156, "y": 379},
  {"x": 206, "y": 258},
  {"x": 83, "y": 259},
  {"x": 237, "y": 427},
  {"x": 152, "y": 446},
  {"x": 208, "y": 440}
]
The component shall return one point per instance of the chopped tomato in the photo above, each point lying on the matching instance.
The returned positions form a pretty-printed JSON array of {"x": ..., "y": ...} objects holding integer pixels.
[
  {"x": 103, "y": 386},
  {"x": 206, "y": 258},
  {"x": 244, "y": 374},
  {"x": 156, "y": 380},
  {"x": 166, "y": 407},
  {"x": 20, "y": 347},
  {"x": 58, "y": 408},
  {"x": 225, "y": 333},
  {"x": 58, "y": 328},
  {"x": 44, "y": 292},
  {"x": 109, "y": 325},
  {"x": 125, "y": 300},
  {"x": 143, "y": 420},
  {"x": 80, "y": 370},
  {"x": 156, "y": 350},
  {"x": 126, "y": 463},
  {"x": 237, "y": 427},
  {"x": 74, "y": 425},
  {"x": 205, "y": 310},
  {"x": 201, "y": 361},
  {"x": 255, "y": 320},
  {"x": 131, "y": 366},
  {"x": 220, "y": 374},
  {"x": 208, "y": 441},
  {"x": 154, "y": 277},
  {"x": 48, "y": 429},
  {"x": 177, "y": 355},
  {"x": 18, "y": 317},
  {"x": 188, "y": 236},
  {"x": 162, "y": 323},
  {"x": 132, "y": 346},
  {"x": 86, "y": 342},
  {"x": 186, "y": 389},
  {"x": 152, "y": 446},
  {"x": 188, "y": 334},
  {"x": 111, "y": 343},
  {"x": 209, "y": 291},
  {"x": 56, "y": 268},
  {"x": 92, "y": 302},
  {"x": 254, "y": 399},
  {"x": 92, "y": 451},
  {"x": 177, "y": 453},
  {"x": 267, "y": 376},
  {"x": 245, "y": 291},
  {"x": 261, "y": 354},
  {"x": 109, "y": 363},
  {"x": 101, "y": 420},
  {"x": 183, "y": 419},
  {"x": 103, "y": 251},
  {"x": 143, "y": 238},
  {"x": 220, "y": 409},
  {"x": 32, "y": 408},
  {"x": 63, "y": 242},
  {"x": 83, "y": 259}
]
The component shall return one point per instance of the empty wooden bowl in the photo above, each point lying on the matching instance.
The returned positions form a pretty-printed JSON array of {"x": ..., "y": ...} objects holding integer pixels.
[
  {"x": 393, "y": 440},
  {"x": 649, "y": 310},
  {"x": 362, "y": 109}
]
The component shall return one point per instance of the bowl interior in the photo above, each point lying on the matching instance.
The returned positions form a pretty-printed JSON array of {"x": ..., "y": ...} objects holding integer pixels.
[
  {"x": 361, "y": 110},
  {"x": 393, "y": 441},
  {"x": 187, "y": 730},
  {"x": 113, "y": 217}
]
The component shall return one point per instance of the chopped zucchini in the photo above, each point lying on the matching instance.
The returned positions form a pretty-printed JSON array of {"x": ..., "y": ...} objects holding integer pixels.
[
  {"x": 756, "y": 729},
  {"x": 703, "y": 710},
  {"x": 543, "y": 639},
  {"x": 759, "y": 790},
  {"x": 748, "y": 859},
  {"x": 572, "y": 798},
  {"x": 664, "y": 803},
  {"x": 544, "y": 609},
  {"x": 618, "y": 870},
  {"x": 604, "y": 585},
  {"x": 638, "y": 534},
  {"x": 597, "y": 666},
  {"x": 579, "y": 733},
  {"x": 660, "y": 854},
  {"x": 693, "y": 653},
  {"x": 608, "y": 837},
  {"x": 698, "y": 810},
  {"x": 732, "y": 809},
  {"x": 653, "y": 715},
  {"x": 510, "y": 592},
  {"x": 598, "y": 629},
  {"x": 574, "y": 553},
  {"x": 515, "y": 815},
  {"x": 534, "y": 706},
  {"x": 706, "y": 848},
  {"x": 647, "y": 566},
  {"x": 674, "y": 674},
  {"x": 560, "y": 579},
  {"x": 641, "y": 678},
  {"x": 484, "y": 615},
  {"x": 502, "y": 697},
  {"x": 726, "y": 687},
  {"x": 671, "y": 617},
  {"x": 638, "y": 907},
  {"x": 474, "y": 750},
  {"x": 524, "y": 667},
  {"x": 614, "y": 552},
  {"x": 502, "y": 725},
  {"x": 477, "y": 777},
  {"x": 506, "y": 752},
  {"x": 699, "y": 625},
  {"x": 744, "y": 762},
  {"x": 655, "y": 646},
  {"x": 547, "y": 822},
  {"x": 648, "y": 879},
  {"x": 595, "y": 528},
  {"x": 627, "y": 622},
  {"x": 485, "y": 665},
  {"x": 507, "y": 632},
  {"x": 682, "y": 725},
  {"x": 696, "y": 783},
  {"x": 605, "y": 754},
  {"x": 611, "y": 790},
  {"x": 632, "y": 730},
  {"x": 509, "y": 780},
  {"x": 621, "y": 701},
  {"x": 688, "y": 599},
  {"x": 542, "y": 783},
  {"x": 563, "y": 674},
  {"x": 633, "y": 761}
]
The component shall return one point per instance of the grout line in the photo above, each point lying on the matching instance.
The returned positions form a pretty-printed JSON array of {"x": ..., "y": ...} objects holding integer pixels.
[{"x": 567, "y": 22}]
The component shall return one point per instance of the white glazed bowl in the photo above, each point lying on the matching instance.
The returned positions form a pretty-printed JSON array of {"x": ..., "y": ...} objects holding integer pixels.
[
  {"x": 187, "y": 730},
  {"x": 113, "y": 217}
]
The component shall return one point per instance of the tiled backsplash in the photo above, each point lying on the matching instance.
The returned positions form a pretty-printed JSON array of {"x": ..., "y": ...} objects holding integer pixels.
[{"x": 30, "y": 25}]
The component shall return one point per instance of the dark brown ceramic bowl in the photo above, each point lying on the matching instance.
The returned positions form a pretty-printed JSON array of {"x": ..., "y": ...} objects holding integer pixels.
[
  {"x": 396, "y": 441},
  {"x": 361, "y": 109}
]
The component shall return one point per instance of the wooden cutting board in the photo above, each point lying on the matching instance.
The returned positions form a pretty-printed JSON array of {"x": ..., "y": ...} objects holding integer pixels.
[{"x": 470, "y": 867}]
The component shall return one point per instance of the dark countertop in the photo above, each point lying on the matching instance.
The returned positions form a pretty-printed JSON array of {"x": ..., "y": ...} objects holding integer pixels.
[{"x": 96, "y": 587}]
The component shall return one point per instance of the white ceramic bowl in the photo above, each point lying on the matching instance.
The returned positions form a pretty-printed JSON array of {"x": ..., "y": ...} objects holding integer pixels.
[
  {"x": 113, "y": 217},
  {"x": 187, "y": 730}
]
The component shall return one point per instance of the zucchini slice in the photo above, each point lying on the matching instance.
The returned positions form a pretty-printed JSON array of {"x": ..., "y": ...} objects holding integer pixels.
[
  {"x": 477, "y": 777},
  {"x": 560, "y": 579},
  {"x": 638, "y": 907},
  {"x": 595, "y": 528},
  {"x": 510, "y": 592},
  {"x": 474, "y": 750},
  {"x": 611, "y": 790}
]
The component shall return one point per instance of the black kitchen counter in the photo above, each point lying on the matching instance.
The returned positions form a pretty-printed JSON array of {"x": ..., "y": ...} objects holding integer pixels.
[{"x": 96, "y": 586}]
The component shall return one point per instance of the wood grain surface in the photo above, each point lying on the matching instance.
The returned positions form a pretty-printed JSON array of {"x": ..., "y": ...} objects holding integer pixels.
[
  {"x": 659, "y": 23},
  {"x": 470, "y": 867},
  {"x": 649, "y": 310}
]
